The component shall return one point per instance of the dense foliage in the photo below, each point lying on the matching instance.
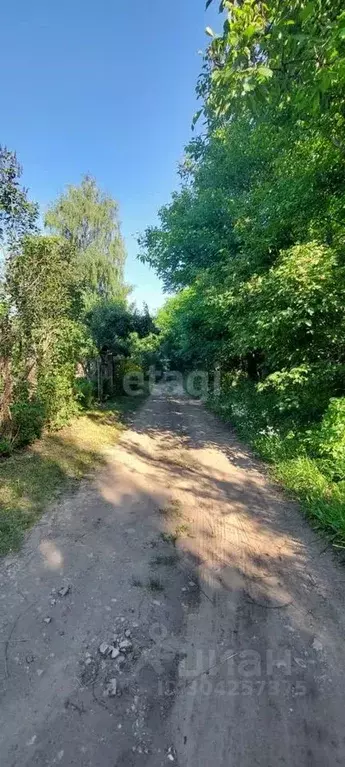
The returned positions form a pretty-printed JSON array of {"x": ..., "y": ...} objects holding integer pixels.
[
  {"x": 88, "y": 219},
  {"x": 63, "y": 302},
  {"x": 254, "y": 240}
]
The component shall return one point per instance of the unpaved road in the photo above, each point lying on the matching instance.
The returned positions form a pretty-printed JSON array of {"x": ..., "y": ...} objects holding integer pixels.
[{"x": 234, "y": 610}]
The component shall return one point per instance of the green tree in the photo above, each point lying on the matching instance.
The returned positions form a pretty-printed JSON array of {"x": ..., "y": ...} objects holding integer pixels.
[
  {"x": 88, "y": 219},
  {"x": 18, "y": 215},
  {"x": 113, "y": 323},
  {"x": 255, "y": 236},
  {"x": 47, "y": 337},
  {"x": 17, "y": 218},
  {"x": 289, "y": 56}
]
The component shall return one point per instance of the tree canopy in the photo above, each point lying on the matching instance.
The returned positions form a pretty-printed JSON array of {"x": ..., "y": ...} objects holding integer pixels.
[
  {"x": 18, "y": 215},
  {"x": 88, "y": 219},
  {"x": 63, "y": 301}
]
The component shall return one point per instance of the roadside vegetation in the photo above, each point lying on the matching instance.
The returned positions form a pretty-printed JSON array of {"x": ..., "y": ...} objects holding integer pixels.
[
  {"x": 68, "y": 335},
  {"x": 253, "y": 242},
  {"x": 32, "y": 478}
]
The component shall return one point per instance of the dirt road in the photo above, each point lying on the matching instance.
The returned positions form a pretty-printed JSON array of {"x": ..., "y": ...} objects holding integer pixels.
[{"x": 176, "y": 611}]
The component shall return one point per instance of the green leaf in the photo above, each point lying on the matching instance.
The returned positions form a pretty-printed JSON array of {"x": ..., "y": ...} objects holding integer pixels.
[
  {"x": 307, "y": 11},
  {"x": 325, "y": 80},
  {"x": 196, "y": 118},
  {"x": 250, "y": 31},
  {"x": 264, "y": 71}
]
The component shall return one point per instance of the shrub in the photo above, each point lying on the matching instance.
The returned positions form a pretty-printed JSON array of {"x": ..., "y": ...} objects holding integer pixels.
[
  {"x": 124, "y": 368},
  {"x": 56, "y": 392},
  {"x": 6, "y": 446},
  {"x": 27, "y": 421},
  {"x": 329, "y": 440},
  {"x": 84, "y": 392}
]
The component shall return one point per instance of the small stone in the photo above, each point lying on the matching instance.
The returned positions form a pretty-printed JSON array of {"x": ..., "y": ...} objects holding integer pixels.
[
  {"x": 300, "y": 662},
  {"x": 40, "y": 671},
  {"x": 64, "y": 591},
  {"x": 30, "y": 658},
  {"x": 104, "y": 648},
  {"x": 127, "y": 633},
  {"x": 126, "y": 645},
  {"x": 112, "y": 688},
  {"x": 115, "y": 653},
  {"x": 88, "y": 661},
  {"x": 171, "y": 758},
  {"x": 47, "y": 619},
  {"x": 53, "y": 602},
  {"x": 317, "y": 645}
]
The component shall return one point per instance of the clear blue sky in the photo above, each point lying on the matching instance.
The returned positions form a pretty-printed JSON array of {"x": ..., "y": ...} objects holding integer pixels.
[{"x": 105, "y": 87}]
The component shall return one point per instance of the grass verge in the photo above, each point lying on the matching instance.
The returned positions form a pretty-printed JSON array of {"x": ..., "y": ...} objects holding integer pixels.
[
  {"x": 32, "y": 478},
  {"x": 305, "y": 477},
  {"x": 323, "y": 501}
]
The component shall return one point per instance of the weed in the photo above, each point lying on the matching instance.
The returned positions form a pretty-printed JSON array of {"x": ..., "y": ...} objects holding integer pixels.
[
  {"x": 155, "y": 584},
  {"x": 137, "y": 582},
  {"x": 182, "y": 530},
  {"x": 167, "y": 560},
  {"x": 169, "y": 538},
  {"x": 172, "y": 509}
]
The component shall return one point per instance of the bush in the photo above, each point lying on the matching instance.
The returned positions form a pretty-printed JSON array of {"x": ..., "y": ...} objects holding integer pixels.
[
  {"x": 6, "y": 446},
  {"x": 329, "y": 440},
  {"x": 56, "y": 392},
  {"x": 27, "y": 421},
  {"x": 84, "y": 392},
  {"x": 124, "y": 368}
]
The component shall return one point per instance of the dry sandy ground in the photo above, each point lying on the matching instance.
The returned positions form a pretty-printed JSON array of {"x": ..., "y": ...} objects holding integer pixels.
[{"x": 234, "y": 608}]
